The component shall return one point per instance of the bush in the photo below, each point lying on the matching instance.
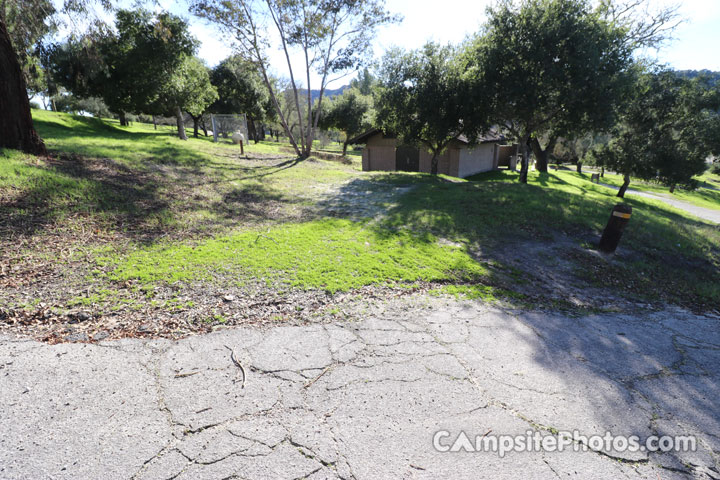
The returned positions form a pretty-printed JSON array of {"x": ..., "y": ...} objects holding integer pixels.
[{"x": 715, "y": 168}]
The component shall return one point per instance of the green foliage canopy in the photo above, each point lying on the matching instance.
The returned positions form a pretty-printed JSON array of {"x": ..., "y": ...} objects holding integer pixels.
[
  {"x": 548, "y": 66},
  {"x": 422, "y": 98},
  {"x": 129, "y": 68},
  {"x": 351, "y": 113},
  {"x": 668, "y": 130}
]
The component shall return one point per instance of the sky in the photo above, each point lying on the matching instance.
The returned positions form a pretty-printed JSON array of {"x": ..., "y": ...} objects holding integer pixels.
[{"x": 696, "y": 45}]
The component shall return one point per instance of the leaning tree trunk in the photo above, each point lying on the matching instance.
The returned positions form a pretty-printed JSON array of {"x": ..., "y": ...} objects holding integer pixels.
[
  {"x": 524, "y": 161},
  {"x": 623, "y": 189},
  {"x": 180, "y": 124},
  {"x": 345, "y": 145},
  {"x": 16, "y": 124}
]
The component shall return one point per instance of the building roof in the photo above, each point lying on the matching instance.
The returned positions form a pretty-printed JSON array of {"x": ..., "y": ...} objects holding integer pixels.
[
  {"x": 489, "y": 137},
  {"x": 363, "y": 138}
]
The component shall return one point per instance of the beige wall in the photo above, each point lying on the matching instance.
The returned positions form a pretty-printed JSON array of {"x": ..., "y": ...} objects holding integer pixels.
[
  {"x": 448, "y": 162},
  {"x": 379, "y": 154},
  {"x": 477, "y": 159},
  {"x": 457, "y": 160}
]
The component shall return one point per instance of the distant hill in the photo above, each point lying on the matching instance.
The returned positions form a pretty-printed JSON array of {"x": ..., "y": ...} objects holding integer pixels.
[
  {"x": 714, "y": 76},
  {"x": 329, "y": 93}
]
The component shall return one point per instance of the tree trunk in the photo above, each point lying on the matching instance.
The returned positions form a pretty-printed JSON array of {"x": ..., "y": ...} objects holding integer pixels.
[
  {"x": 434, "y": 164},
  {"x": 541, "y": 155},
  {"x": 154, "y": 122},
  {"x": 602, "y": 171},
  {"x": 196, "y": 124},
  {"x": 345, "y": 144},
  {"x": 251, "y": 129},
  {"x": 180, "y": 124},
  {"x": 52, "y": 104},
  {"x": 672, "y": 188},
  {"x": 579, "y": 167},
  {"x": 524, "y": 167},
  {"x": 123, "y": 119},
  {"x": 626, "y": 182},
  {"x": 16, "y": 124},
  {"x": 203, "y": 126}
]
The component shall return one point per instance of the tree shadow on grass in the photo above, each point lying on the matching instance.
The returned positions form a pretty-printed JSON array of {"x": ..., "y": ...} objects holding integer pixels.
[
  {"x": 497, "y": 218},
  {"x": 82, "y": 135},
  {"x": 255, "y": 172},
  {"x": 140, "y": 205},
  {"x": 72, "y": 186}
]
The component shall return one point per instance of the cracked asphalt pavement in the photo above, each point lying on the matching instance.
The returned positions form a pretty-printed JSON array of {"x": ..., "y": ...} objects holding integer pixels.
[{"x": 362, "y": 399}]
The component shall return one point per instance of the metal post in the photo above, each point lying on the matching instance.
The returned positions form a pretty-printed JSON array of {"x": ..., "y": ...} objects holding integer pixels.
[
  {"x": 613, "y": 231},
  {"x": 214, "y": 127}
]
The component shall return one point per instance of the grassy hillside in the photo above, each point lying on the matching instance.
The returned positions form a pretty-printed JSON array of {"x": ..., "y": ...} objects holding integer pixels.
[{"x": 132, "y": 222}]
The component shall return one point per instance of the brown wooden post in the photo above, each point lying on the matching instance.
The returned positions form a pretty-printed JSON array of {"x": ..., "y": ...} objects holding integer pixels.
[
  {"x": 613, "y": 231},
  {"x": 242, "y": 150}
]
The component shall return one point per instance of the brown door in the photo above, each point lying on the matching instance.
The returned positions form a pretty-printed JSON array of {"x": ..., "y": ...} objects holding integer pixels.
[{"x": 407, "y": 159}]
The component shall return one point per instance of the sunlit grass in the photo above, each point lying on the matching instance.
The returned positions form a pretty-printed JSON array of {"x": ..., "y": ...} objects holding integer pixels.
[{"x": 333, "y": 255}]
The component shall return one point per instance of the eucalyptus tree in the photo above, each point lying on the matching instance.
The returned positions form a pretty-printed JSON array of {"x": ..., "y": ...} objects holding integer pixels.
[
  {"x": 22, "y": 25},
  {"x": 332, "y": 37}
]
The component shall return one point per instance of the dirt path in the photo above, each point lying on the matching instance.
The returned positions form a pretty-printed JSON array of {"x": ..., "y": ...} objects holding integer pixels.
[
  {"x": 364, "y": 399},
  {"x": 700, "y": 212}
]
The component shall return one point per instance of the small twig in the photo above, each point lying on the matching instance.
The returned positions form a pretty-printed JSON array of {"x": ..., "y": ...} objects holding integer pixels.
[
  {"x": 183, "y": 375},
  {"x": 237, "y": 364},
  {"x": 325, "y": 370},
  {"x": 265, "y": 236}
]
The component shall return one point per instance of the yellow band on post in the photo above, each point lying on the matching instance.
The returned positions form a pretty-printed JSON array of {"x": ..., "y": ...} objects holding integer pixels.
[{"x": 621, "y": 215}]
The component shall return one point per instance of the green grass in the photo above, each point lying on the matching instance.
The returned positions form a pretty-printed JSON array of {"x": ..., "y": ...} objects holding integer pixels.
[
  {"x": 702, "y": 197},
  {"x": 333, "y": 255},
  {"x": 150, "y": 183},
  {"x": 678, "y": 256},
  {"x": 59, "y": 192},
  {"x": 162, "y": 213},
  {"x": 138, "y": 145}
]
